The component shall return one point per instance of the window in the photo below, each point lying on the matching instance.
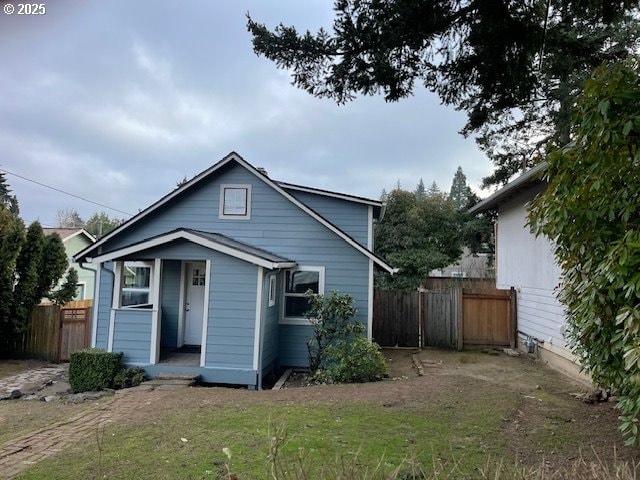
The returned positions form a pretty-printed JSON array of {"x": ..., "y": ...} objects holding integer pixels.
[
  {"x": 235, "y": 201},
  {"x": 136, "y": 284},
  {"x": 272, "y": 290},
  {"x": 297, "y": 282},
  {"x": 79, "y": 291}
]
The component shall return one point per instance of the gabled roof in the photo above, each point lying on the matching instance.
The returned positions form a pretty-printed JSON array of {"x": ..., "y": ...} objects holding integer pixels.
[
  {"x": 214, "y": 241},
  {"x": 376, "y": 204},
  {"x": 234, "y": 157},
  {"x": 69, "y": 233},
  {"x": 523, "y": 182}
]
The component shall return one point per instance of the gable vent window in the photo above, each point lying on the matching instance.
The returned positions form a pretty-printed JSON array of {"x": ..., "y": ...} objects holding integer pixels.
[{"x": 235, "y": 202}]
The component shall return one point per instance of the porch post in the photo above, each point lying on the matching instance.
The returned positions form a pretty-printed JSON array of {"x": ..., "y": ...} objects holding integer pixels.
[{"x": 156, "y": 313}]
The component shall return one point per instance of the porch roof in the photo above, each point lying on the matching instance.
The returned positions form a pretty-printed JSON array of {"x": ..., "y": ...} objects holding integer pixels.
[{"x": 214, "y": 241}]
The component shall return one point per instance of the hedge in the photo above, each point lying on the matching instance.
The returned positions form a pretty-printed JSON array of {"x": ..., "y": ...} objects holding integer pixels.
[{"x": 93, "y": 369}]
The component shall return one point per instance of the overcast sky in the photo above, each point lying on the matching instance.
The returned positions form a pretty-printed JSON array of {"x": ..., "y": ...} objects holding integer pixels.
[{"x": 117, "y": 101}]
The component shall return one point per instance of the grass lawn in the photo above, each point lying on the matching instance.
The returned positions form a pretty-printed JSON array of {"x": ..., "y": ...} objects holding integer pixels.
[
  {"x": 466, "y": 409},
  {"x": 155, "y": 449}
]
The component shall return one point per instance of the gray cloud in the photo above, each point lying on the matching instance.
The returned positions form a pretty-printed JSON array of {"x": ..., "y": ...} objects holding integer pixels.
[{"x": 117, "y": 101}]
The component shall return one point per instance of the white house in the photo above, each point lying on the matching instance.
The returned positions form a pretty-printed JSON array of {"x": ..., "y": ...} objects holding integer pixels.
[{"x": 527, "y": 263}]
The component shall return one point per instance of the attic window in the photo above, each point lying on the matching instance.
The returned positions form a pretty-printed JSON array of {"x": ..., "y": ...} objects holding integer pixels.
[{"x": 235, "y": 202}]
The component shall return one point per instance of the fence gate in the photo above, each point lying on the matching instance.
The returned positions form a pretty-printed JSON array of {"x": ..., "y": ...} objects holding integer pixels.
[
  {"x": 487, "y": 319},
  {"x": 74, "y": 331},
  {"x": 441, "y": 311}
]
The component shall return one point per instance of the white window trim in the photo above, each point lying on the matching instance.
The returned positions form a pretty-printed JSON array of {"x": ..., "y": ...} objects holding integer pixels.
[
  {"x": 302, "y": 268},
  {"x": 121, "y": 287},
  {"x": 84, "y": 289},
  {"x": 221, "y": 213},
  {"x": 273, "y": 290}
]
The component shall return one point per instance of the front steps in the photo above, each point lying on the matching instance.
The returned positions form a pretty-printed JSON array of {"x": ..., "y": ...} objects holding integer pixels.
[{"x": 173, "y": 381}]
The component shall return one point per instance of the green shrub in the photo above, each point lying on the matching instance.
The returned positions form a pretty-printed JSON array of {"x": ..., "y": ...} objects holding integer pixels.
[
  {"x": 93, "y": 369},
  {"x": 352, "y": 360},
  {"x": 128, "y": 377}
]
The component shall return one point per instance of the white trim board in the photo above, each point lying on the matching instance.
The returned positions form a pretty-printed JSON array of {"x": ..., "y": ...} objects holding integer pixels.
[
  {"x": 327, "y": 193},
  {"x": 250, "y": 168},
  {"x": 205, "y": 314},
  {"x": 96, "y": 302},
  {"x": 258, "y": 325},
  {"x": 156, "y": 285},
  {"x": 181, "y": 300},
  {"x": 210, "y": 244}
]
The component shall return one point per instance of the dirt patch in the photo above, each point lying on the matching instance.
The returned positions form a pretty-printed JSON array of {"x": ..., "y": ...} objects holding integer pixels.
[{"x": 11, "y": 367}]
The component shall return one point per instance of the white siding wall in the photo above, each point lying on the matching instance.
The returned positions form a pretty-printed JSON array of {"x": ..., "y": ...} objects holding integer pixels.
[{"x": 527, "y": 263}]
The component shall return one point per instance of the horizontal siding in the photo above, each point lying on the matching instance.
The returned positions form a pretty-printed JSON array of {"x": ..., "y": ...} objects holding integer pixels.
[
  {"x": 170, "y": 301},
  {"x": 232, "y": 313},
  {"x": 276, "y": 225},
  {"x": 540, "y": 315},
  {"x": 293, "y": 345},
  {"x": 270, "y": 330},
  {"x": 104, "y": 306},
  {"x": 350, "y": 217},
  {"x": 132, "y": 335}
]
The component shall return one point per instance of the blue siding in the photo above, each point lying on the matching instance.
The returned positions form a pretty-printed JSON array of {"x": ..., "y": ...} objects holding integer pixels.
[
  {"x": 170, "y": 301},
  {"x": 352, "y": 218},
  {"x": 276, "y": 225},
  {"x": 132, "y": 335},
  {"x": 104, "y": 305},
  {"x": 232, "y": 310},
  {"x": 293, "y": 341},
  {"x": 236, "y": 376},
  {"x": 270, "y": 327}
]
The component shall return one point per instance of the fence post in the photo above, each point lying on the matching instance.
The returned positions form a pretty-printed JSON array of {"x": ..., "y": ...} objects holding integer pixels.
[
  {"x": 421, "y": 319},
  {"x": 458, "y": 302},
  {"x": 513, "y": 318}
]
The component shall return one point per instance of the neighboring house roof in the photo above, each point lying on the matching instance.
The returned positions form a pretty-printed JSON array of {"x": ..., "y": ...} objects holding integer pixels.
[
  {"x": 234, "y": 157},
  {"x": 213, "y": 241},
  {"x": 525, "y": 181},
  {"x": 68, "y": 233}
]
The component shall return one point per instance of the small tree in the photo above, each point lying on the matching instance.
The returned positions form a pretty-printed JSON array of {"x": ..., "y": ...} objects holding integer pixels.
[
  {"x": 69, "y": 218},
  {"x": 67, "y": 290},
  {"x": 330, "y": 318}
]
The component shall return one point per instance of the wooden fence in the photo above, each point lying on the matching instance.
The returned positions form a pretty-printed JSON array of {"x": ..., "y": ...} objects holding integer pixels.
[
  {"x": 396, "y": 318},
  {"x": 454, "y": 317},
  {"x": 53, "y": 333}
]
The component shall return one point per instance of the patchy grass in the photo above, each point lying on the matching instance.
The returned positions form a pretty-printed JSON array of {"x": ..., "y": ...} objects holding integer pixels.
[
  {"x": 154, "y": 449},
  {"x": 18, "y": 417},
  {"x": 11, "y": 367}
]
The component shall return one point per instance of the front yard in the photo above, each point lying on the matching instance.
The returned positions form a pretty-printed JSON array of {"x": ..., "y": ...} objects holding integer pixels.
[{"x": 468, "y": 408}]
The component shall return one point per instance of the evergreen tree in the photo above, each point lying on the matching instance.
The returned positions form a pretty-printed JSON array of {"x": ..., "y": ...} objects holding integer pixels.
[
  {"x": 417, "y": 236},
  {"x": 27, "y": 276},
  {"x": 67, "y": 290},
  {"x": 11, "y": 241},
  {"x": 434, "y": 190},
  {"x": 514, "y": 67},
  {"x": 460, "y": 194},
  {"x": 420, "y": 190},
  {"x": 6, "y": 199},
  {"x": 383, "y": 195}
]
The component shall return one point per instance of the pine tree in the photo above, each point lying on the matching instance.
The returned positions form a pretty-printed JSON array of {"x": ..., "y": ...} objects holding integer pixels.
[
  {"x": 67, "y": 290},
  {"x": 383, "y": 195},
  {"x": 420, "y": 190},
  {"x": 11, "y": 241},
  {"x": 6, "y": 199},
  {"x": 460, "y": 194},
  {"x": 434, "y": 190}
]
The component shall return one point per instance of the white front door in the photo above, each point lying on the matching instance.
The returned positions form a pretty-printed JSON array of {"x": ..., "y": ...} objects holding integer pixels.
[{"x": 194, "y": 304}]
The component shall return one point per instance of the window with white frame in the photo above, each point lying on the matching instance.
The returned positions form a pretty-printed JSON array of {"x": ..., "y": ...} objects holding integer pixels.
[
  {"x": 272, "y": 290},
  {"x": 135, "y": 284},
  {"x": 235, "y": 202},
  {"x": 297, "y": 282}
]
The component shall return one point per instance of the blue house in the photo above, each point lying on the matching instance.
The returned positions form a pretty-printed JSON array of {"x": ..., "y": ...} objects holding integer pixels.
[{"x": 210, "y": 279}]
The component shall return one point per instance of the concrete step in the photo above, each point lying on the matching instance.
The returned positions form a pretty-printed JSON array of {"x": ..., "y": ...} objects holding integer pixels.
[{"x": 166, "y": 379}]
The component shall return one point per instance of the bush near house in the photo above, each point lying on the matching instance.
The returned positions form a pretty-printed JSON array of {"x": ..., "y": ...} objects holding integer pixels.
[
  {"x": 94, "y": 369},
  {"x": 338, "y": 350}
]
